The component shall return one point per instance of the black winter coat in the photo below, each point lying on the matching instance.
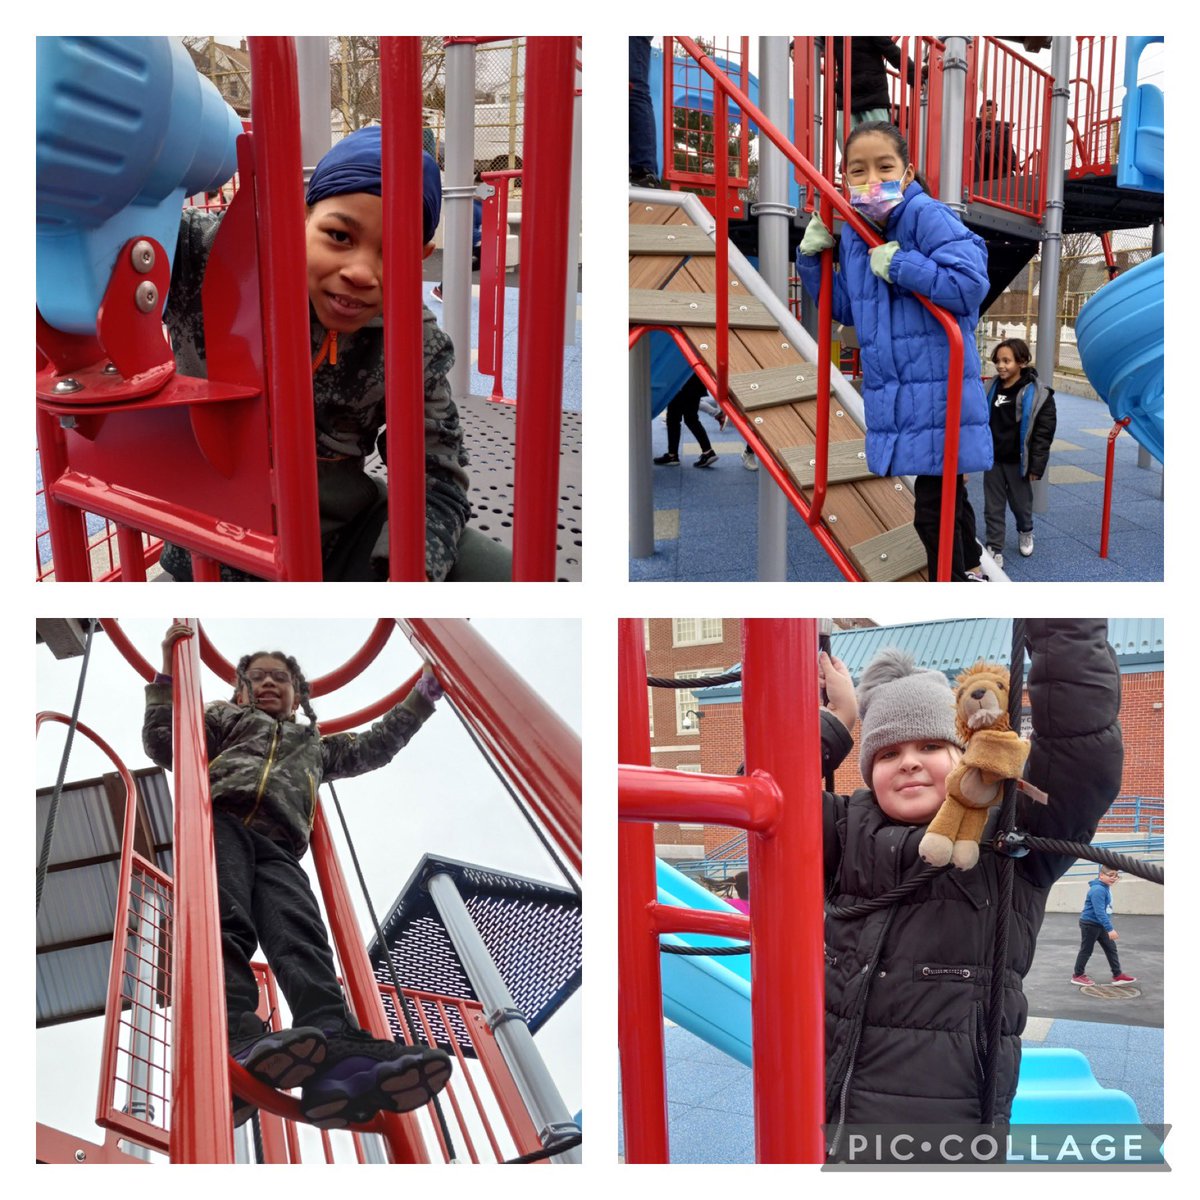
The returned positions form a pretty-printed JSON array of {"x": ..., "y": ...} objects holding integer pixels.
[{"x": 907, "y": 986}]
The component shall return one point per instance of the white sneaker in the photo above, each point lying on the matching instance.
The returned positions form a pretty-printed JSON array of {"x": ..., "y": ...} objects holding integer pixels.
[
  {"x": 1025, "y": 543},
  {"x": 748, "y": 459},
  {"x": 997, "y": 557}
]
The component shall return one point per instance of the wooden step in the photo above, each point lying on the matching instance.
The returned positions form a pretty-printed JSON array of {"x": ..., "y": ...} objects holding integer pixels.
[
  {"x": 778, "y": 385},
  {"x": 847, "y": 462},
  {"x": 669, "y": 239},
  {"x": 890, "y": 556},
  {"x": 695, "y": 308}
]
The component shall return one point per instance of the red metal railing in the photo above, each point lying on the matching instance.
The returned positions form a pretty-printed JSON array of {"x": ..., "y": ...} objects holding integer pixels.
[
  {"x": 831, "y": 201},
  {"x": 1008, "y": 144},
  {"x": 691, "y": 152},
  {"x": 778, "y": 803},
  {"x": 1094, "y": 119},
  {"x": 493, "y": 266}
]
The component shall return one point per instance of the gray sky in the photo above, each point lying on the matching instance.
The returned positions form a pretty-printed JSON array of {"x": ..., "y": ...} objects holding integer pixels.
[{"x": 437, "y": 796}]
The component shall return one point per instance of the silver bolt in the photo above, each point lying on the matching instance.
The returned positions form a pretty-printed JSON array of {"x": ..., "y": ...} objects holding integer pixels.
[
  {"x": 754, "y": 387},
  {"x": 839, "y": 413},
  {"x": 65, "y": 386},
  {"x": 703, "y": 345},
  {"x": 649, "y": 207},
  {"x": 733, "y": 283},
  {"x": 80, "y": 1156},
  {"x": 146, "y": 296},
  {"x": 899, "y": 487},
  {"x": 67, "y": 422},
  {"x": 862, "y": 454},
  {"x": 742, "y": 308},
  {"x": 784, "y": 346},
  {"x": 883, "y": 558},
  {"x": 111, "y": 369},
  {"x": 832, "y": 519},
  {"x": 670, "y": 237},
  {"x": 693, "y": 305},
  {"x": 812, "y": 462},
  {"x": 758, "y": 420},
  {"x": 142, "y": 256}
]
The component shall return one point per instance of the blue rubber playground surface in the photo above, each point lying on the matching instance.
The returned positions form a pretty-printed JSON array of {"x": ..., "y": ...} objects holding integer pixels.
[{"x": 705, "y": 520}]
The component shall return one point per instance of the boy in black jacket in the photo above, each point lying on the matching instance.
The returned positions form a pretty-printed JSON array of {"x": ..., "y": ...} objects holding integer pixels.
[{"x": 907, "y": 985}]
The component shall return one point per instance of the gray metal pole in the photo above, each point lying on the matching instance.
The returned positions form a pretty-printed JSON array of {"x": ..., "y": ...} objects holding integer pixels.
[
  {"x": 641, "y": 453},
  {"x": 774, "y": 216},
  {"x": 312, "y": 72},
  {"x": 954, "y": 92},
  {"x": 459, "y": 194},
  {"x": 1051, "y": 251},
  {"x": 141, "y": 947},
  {"x": 533, "y": 1080}
]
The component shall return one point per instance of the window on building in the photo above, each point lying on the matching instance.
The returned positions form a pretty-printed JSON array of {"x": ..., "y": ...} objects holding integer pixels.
[
  {"x": 685, "y": 702},
  {"x": 696, "y": 631}
]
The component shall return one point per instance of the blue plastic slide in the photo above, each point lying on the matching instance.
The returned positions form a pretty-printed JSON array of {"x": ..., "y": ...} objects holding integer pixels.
[
  {"x": 1120, "y": 336},
  {"x": 710, "y": 997}
]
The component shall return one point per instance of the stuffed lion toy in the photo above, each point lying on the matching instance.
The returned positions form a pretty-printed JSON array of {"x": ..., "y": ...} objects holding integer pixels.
[{"x": 993, "y": 753}]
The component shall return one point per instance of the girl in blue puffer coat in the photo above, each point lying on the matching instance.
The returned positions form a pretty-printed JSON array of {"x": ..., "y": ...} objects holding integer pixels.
[{"x": 905, "y": 356}]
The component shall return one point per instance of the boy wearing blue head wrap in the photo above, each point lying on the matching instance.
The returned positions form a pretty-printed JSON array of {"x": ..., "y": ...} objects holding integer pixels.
[{"x": 344, "y": 254}]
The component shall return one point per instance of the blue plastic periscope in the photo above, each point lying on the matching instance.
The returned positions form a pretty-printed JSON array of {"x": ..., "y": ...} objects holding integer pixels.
[
  {"x": 126, "y": 128},
  {"x": 1140, "y": 162},
  {"x": 1119, "y": 332},
  {"x": 710, "y": 997}
]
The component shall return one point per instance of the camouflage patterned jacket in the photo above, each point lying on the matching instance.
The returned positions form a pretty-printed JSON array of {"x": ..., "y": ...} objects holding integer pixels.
[
  {"x": 267, "y": 771},
  {"x": 349, "y": 396}
]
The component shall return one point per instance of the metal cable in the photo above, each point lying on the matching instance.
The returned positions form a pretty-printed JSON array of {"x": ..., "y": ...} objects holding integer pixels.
[
  {"x": 701, "y": 681},
  {"x": 714, "y": 951},
  {"x": 43, "y": 864},
  {"x": 1096, "y": 854},
  {"x": 888, "y": 898},
  {"x": 387, "y": 954},
  {"x": 576, "y": 1139}
]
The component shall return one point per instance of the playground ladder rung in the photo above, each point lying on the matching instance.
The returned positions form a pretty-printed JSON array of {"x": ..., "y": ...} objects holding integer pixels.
[
  {"x": 890, "y": 556},
  {"x": 669, "y": 239},
  {"x": 695, "y": 308},
  {"x": 847, "y": 462},
  {"x": 778, "y": 385}
]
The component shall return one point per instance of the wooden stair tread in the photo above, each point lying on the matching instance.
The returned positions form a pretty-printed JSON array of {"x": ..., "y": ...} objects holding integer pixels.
[
  {"x": 776, "y": 385},
  {"x": 890, "y": 556},
  {"x": 647, "y": 307},
  {"x": 669, "y": 239},
  {"x": 847, "y": 462}
]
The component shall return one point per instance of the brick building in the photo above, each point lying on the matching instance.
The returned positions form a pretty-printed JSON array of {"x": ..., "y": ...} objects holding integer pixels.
[{"x": 713, "y": 741}]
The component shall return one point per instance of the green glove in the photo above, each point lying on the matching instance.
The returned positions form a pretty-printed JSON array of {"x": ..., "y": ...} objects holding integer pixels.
[
  {"x": 816, "y": 237},
  {"x": 881, "y": 260}
]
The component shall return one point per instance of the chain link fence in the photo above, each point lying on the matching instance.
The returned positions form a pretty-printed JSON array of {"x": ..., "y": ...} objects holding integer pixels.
[{"x": 354, "y": 91}]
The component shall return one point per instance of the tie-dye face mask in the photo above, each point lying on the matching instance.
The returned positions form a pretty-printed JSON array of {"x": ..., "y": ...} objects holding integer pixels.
[{"x": 876, "y": 200}]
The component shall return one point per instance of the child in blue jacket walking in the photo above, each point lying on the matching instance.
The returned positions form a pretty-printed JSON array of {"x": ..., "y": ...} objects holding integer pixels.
[
  {"x": 905, "y": 357},
  {"x": 1095, "y": 925}
]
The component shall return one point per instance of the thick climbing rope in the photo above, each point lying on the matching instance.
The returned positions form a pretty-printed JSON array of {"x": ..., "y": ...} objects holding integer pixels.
[
  {"x": 701, "y": 681},
  {"x": 1097, "y": 854},
  {"x": 714, "y": 951},
  {"x": 387, "y": 955},
  {"x": 899, "y": 892},
  {"x": 43, "y": 864},
  {"x": 1005, "y": 870}
]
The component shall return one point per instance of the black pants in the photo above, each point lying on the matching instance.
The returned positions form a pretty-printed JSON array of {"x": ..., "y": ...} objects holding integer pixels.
[
  {"x": 266, "y": 898},
  {"x": 685, "y": 409},
  {"x": 927, "y": 516},
  {"x": 1089, "y": 934}
]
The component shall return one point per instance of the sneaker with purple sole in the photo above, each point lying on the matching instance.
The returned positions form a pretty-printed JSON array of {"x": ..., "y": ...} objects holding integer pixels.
[
  {"x": 281, "y": 1058},
  {"x": 364, "y": 1075}
]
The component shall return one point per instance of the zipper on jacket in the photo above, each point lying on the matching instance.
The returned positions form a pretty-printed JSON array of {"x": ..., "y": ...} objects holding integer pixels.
[
  {"x": 936, "y": 972},
  {"x": 312, "y": 792},
  {"x": 262, "y": 783}
]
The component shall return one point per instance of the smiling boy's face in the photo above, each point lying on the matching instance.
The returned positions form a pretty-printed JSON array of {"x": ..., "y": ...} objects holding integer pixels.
[
  {"x": 344, "y": 251},
  {"x": 909, "y": 779}
]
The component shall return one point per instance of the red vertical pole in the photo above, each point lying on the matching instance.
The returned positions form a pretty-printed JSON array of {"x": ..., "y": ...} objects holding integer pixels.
[
  {"x": 1109, "y": 467},
  {"x": 132, "y": 554},
  {"x": 201, "y": 1131},
  {"x": 538, "y": 752},
  {"x": 639, "y": 1002},
  {"x": 400, "y": 1130},
  {"x": 286, "y": 355},
  {"x": 68, "y": 538},
  {"x": 549, "y": 116},
  {"x": 403, "y": 332},
  {"x": 721, "y": 157},
  {"x": 779, "y": 672}
]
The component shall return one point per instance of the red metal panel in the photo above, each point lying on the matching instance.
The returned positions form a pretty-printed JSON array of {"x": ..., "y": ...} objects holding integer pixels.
[
  {"x": 549, "y": 117},
  {"x": 200, "y": 1126},
  {"x": 538, "y": 752},
  {"x": 400, "y": 81},
  {"x": 493, "y": 267},
  {"x": 639, "y": 981}
]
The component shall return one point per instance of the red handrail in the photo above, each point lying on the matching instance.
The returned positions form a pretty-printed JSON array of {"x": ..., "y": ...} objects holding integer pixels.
[{"x": 832, "y": 198}]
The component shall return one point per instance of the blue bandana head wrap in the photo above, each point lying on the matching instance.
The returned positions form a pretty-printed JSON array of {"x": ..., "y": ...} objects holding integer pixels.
[{"x": 355, "y": 164}]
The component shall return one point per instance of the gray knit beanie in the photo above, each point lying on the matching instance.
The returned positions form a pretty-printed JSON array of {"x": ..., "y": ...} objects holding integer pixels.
[{"x": 899, "y": 702}]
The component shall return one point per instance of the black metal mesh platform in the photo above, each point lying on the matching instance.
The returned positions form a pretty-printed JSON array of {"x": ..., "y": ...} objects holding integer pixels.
[
  {"x": 489, "y": 432},
  {"x": 532, "y": 930}
]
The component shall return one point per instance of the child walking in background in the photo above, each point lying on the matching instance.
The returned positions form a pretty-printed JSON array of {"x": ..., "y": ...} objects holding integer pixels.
[
  {"x": 905, "y": 358},
  {"x": 907, "y": 984},
  {"x": 1095, "y": 925},
  {"x": 1023, "y": 420},
  {"x": 264, "y": 772},
  {"x": 684, "y": 409}
]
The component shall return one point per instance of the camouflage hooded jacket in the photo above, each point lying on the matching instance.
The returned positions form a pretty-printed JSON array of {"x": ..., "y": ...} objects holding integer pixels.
[
  {"x": 267, "y": 771},
  {"x": 348, "y": 396}
]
